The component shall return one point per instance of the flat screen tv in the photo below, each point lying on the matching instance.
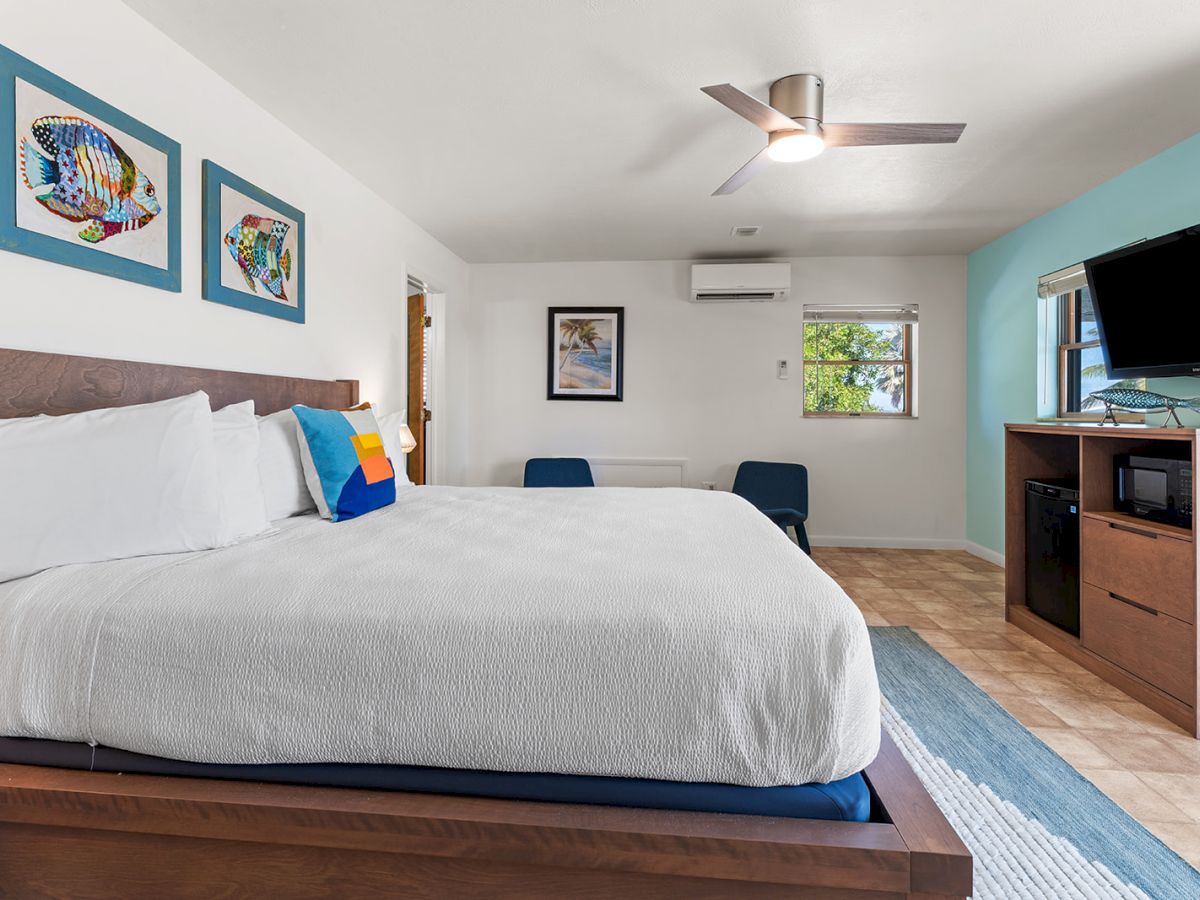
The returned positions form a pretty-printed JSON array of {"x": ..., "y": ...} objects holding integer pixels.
[{"x": 1147, "y": 303}]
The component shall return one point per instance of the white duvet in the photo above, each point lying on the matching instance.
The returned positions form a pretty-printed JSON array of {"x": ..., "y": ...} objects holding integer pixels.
[{"x": 660, "y": 633}]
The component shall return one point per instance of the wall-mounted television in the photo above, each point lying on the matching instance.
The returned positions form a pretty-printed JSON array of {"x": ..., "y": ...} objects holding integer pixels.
[{"x": 1147, "y": 303}]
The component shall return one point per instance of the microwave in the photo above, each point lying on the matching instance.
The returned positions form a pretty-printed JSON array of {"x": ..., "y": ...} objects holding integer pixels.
[{"x": 1155, "y": 488}]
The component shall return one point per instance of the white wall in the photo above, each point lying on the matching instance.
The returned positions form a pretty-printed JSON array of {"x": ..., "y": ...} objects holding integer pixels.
[
  {"x": 700, "y": 383},
  {"x": 359, "y": 247}
]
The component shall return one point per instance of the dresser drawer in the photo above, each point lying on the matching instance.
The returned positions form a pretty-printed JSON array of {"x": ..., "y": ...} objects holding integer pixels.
[
  {"x": 1149, "y": 568},
  {"x": 1154, "y": 647}
]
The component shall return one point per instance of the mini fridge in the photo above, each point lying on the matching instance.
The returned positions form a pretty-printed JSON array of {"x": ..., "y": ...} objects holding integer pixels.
[{"x": 1052, "y": 551}]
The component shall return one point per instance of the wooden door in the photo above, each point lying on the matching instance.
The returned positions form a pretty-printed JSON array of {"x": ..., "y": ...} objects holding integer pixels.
[{"x": 417, "y": 413}]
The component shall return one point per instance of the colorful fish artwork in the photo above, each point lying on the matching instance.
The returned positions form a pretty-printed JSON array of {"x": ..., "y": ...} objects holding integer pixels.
[
  {"x": 87, "y": 177},
  {"x": 256, "y": 245}
]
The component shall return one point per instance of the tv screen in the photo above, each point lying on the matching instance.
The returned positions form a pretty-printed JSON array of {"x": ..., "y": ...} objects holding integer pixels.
[{"x": 1147, "y": 303}]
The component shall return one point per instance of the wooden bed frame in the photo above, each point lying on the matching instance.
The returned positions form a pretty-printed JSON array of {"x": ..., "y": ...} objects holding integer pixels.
[{"x": 67, "y": 833}]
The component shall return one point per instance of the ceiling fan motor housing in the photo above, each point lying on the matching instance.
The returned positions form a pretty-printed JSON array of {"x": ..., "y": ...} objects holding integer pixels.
[{"x": 802, "y": 98}]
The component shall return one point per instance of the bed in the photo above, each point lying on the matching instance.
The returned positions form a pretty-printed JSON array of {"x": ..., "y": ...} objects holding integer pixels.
[{"x": 741, "y": 665}]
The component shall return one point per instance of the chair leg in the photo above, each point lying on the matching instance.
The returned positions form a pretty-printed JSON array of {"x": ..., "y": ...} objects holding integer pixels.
[
  {"x": 802, "y": 539},
  {"x": 783, "y": 527}
]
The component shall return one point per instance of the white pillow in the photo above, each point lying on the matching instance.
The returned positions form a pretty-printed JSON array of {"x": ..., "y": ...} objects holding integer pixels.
[
  {"x": 389, "y": 431},
  {"x": 108, "y": 484},
  {"x": 279, "y": 467},
  {"x": 235, "y": 434}
]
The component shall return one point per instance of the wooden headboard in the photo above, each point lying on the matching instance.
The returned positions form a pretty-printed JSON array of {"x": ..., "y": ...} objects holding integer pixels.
[{"x": 34, "y": 383}]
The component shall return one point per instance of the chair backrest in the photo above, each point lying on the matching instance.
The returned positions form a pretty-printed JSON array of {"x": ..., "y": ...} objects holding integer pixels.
[
  {"x": 773, "y": 485},
  {"x": 559, "y": 471}
]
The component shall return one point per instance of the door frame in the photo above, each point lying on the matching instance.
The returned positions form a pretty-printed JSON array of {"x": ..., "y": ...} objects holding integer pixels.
[{"x": 435, "y": 308}]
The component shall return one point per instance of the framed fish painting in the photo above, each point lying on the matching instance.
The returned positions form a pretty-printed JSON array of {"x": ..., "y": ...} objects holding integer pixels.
[
  {"x": 253, "y": 247},
  {"x": 586, "y": 359},
  {"x": 82, "y": 183}
]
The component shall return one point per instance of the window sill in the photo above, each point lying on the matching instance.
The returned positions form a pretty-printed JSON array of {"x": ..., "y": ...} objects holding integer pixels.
[
  {"x": 903, "y": 417},
  {"x": 1122, "y": 418}
]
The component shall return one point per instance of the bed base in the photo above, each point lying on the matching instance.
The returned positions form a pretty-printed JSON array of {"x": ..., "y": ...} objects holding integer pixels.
[{"x": 65, "y": 833}]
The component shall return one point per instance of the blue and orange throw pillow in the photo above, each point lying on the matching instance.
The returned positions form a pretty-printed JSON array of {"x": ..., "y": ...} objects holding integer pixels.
[{"x": 347, "y": 470}]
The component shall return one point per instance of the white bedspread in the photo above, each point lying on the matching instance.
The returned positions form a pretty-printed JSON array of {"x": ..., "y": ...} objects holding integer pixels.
[{"x": 655, "y": 633}]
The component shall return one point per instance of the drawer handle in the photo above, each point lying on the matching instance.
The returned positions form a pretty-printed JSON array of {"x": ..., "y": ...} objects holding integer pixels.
[
  {"x": 1119, "y": 527},
  {"x": 1133, "y": 603}
]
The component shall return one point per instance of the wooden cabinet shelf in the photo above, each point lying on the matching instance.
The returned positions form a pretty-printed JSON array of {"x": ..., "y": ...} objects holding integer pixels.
[{"x": 1138, "y": 578}]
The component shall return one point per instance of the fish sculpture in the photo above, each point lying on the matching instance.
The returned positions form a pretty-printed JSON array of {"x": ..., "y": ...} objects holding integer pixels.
[
  {"x": 256, "y": 245},
  {"x": 88, "y": 178},
  {"x": 1134, "y": 400}
]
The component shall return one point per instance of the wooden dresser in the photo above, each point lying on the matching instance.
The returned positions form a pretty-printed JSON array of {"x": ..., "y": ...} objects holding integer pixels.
[{"x": 1138, "y": 578}]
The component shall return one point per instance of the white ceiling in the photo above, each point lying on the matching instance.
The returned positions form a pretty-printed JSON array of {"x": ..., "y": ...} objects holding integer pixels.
[{"x": 523, "y": 130}]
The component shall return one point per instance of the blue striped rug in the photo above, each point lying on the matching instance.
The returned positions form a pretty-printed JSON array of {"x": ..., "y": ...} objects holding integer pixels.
[{"x": 1037, "y": 828}]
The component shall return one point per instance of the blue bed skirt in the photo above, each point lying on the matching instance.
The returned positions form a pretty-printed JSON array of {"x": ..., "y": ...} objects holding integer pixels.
[{"x": 847, "y": 800}]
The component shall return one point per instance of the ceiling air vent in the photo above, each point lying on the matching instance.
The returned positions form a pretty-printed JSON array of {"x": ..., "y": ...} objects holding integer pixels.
[{"x": 745, "y": 230}]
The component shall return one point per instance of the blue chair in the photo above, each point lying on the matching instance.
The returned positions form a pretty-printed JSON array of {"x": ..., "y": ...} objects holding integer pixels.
[
  {"x": 780, "y": 491},
  {"x": 559, "y": 471}
]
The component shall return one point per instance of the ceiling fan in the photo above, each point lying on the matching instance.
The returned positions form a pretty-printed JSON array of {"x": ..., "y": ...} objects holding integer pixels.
[{"x": 796, "y": 130}]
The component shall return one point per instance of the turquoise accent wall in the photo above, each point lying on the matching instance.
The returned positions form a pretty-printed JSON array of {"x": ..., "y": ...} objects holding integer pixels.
[{"x": 1160, "y": 195}]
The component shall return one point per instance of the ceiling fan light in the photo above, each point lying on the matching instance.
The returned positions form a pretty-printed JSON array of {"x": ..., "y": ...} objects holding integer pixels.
[{"x": 795, "y": 146}]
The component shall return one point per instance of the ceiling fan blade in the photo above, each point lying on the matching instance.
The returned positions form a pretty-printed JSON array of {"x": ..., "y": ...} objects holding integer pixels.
[
  {"x": 878, "y": 134},
  {"x": 757, "y": 163},
  {"x": 765, "y": 117}
]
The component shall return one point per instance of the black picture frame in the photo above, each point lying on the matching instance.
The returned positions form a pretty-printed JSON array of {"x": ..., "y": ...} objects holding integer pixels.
[{"x": 611, "y": 388}]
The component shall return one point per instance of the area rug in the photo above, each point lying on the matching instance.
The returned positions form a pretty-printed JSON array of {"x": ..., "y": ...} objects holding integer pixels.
[{"x": 1036, "y": 827}]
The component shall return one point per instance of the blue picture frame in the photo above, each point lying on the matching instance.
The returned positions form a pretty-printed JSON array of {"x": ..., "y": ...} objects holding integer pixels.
[
  {"x": 214, "y": 246},
  {"x": 13, "y": 66}
]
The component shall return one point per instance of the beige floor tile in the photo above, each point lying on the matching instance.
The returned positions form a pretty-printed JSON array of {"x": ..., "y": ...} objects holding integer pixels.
[
  {"x": 996, "y": 684},
  {"x": 1135, "y": 796},
  {"x": 1028, "y": 712},
  {"x": 1075, "y": 748},
  {"x": 1041, "y": 685},
  {"x": 1089, "y": 714},
  {"x": 963, "y": 658},
  {"x": 1013, "y": 660},
  {"x": 1135, "y": 751},
  {"x": 911, "y": 619},
  {"x": 935, "y": 637},
  {"x": 854, "y": 581},
  {"x": 1057, "y": 661},
  {"x": 880, "y": 595},
  {"x": 1182, "y": 790},
  {"x": 1146, "y": 718},
  {"x": 986, "y": 640}
]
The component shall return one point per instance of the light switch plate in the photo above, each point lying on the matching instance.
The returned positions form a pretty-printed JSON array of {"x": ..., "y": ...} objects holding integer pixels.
[{"x": 781, "y": 370}]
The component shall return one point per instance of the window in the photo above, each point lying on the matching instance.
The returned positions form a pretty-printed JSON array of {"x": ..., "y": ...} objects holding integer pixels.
[
  {"x": 1080, "y": 360},
  {"x": 858, "y": 361}
]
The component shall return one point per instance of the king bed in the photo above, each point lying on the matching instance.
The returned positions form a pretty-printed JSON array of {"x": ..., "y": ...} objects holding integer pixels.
[{"x": 476, "y": 691}]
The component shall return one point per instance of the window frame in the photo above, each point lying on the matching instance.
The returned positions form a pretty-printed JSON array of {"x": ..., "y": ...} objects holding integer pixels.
[
  {"x": 905, "y": 361},
  {"x": 1070, "y": 379}
]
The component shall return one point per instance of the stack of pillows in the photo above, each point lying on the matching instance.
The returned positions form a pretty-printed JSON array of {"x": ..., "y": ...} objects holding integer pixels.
[{"x": 173, "y": 476}]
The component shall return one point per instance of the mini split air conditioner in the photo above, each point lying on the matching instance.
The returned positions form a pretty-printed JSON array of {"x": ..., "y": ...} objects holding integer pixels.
[{"x": 740, "y": 282}]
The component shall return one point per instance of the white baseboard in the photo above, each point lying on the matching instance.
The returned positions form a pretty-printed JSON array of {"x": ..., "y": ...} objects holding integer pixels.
[
  {"x": 826, "y": 540},
  {"x": 984, "y": 552},
  {"x": 971, "y": 547}
]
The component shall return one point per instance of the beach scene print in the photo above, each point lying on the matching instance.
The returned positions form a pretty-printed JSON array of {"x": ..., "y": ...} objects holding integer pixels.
[{"x": 586, "y": 361}]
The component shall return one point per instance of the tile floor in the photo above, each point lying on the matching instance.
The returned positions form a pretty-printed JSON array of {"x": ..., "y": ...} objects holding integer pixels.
[{"x": 956, "y": 602}]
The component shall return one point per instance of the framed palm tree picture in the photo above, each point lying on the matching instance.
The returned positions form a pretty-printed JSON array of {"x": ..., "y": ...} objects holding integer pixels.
[{"x": 586, "y": 353}]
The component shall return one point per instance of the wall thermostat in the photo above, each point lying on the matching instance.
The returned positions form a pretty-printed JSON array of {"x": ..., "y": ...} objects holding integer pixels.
[{"x": 781, "y": 369}]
